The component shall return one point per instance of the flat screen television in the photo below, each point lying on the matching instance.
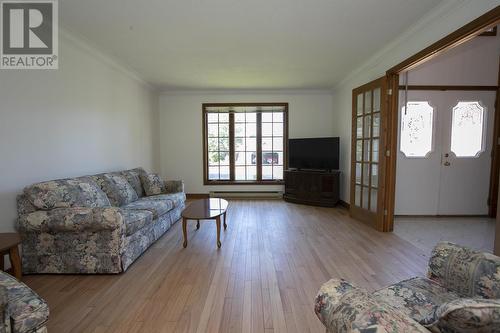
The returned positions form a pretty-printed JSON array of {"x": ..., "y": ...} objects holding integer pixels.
[{"x": 314, "y": 153}]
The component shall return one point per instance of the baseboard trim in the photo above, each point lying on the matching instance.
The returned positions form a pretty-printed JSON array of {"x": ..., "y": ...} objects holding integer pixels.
[
  {"x": 197, "y": 195},
  {"x": 344, "y": 204}
]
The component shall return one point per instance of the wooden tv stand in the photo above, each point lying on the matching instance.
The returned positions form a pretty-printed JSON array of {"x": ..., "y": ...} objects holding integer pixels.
[{"x": 317, "y": 188}]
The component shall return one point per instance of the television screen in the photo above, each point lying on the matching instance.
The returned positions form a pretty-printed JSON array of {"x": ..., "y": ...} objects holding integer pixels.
[{"x": 314, "y": 153}]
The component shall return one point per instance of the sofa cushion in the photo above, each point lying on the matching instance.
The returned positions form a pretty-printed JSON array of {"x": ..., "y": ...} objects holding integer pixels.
[
  {"x": 117, "y": 188},
  {"x": 27, "y": 310},
  {"x": 153, "y": 184},
  {"x": 135, "y": 219},
  {"x": 465, "y": 315},
  {"x": 134, "y": 178},
  {"x": 417, "y": 297},
  {"x": 157, "y": 207},
  {"x": 469, "y": 273},
  {"x": 177, "y": 199},
  {"x": 63, "y": 193}
]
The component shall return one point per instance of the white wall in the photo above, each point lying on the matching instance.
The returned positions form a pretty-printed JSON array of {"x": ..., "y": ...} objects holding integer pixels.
[
  {"x": 310, "y": 115},
  {"x": 450, "y": 16},
  {"x": 88, "y": 116}
]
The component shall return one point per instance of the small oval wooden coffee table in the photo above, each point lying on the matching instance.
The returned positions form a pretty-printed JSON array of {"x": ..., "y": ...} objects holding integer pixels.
[{"x": 205, "y": 209}]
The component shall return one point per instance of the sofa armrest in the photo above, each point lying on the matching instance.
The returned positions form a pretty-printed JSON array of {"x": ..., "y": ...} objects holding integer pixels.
[
  {"x": 72, "y": 219},
  {"x": 174, "y": 186},
  {"x": 343, "y": 307},
  {"x": 4, "y": 315}
]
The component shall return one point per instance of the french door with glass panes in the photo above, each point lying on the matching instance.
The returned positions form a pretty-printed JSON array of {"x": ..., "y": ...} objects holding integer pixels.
[{"x": 367, "y": 163}]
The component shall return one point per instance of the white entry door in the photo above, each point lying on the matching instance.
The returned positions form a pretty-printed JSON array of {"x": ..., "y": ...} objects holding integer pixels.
[{"x": 445, "y": 153}]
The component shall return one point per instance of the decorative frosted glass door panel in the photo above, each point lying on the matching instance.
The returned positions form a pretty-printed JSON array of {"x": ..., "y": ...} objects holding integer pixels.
[
  {"x": 367, "y": 140},
  {"x": 446, "y": 170}
]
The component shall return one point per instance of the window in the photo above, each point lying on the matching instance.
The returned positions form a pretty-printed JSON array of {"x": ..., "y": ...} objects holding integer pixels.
[
  {"x": 245, "y": 143},
  {"x": 416, "y": 129},
  {"x": 467, "y": 129}
]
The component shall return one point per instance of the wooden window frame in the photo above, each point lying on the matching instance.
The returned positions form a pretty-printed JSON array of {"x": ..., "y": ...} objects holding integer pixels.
[{"x": 232, "y": 181}]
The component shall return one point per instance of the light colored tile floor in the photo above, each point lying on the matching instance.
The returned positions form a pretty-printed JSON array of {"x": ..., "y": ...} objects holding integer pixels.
[{"x": 424, "y": 232}]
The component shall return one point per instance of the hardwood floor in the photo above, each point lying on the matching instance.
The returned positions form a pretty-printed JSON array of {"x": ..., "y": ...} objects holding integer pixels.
[{"x": 274, "y": 257}]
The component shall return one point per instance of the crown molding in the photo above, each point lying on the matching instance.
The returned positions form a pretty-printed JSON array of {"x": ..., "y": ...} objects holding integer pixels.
[
  {"x": 91, "y": 49},
  {"x": 215, "y": 92}
]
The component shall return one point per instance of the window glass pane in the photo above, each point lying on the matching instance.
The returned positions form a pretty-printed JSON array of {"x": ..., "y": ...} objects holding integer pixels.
[
  {"x": 368, "y": 102},
  {"x": 213, "y": 130},
  {"x": 366, "y": 174},
  {"x": 239, "y": 130},
  {"x": 251, "y": 117},
  {"x": 224, "y": 158},
  {"x": 375, "y": 152},
  {"x": 239, "y": 144},
  {"x": 251, "y": 144},
  {"x": 212, "y": 117},
  {"x": 359, "y": 104},
  {"x": 277, "y": 129},
  {"x": 366, "y": 193},
  {"x": 224, "y": 172},
  {"x": 251, "y": 158},
  {"x": 357, "y": 196},
  {"x": 239, "y": 117},
  {"x": 239, "y": 158},
  {"x": 278, "y": 143},
  {"x": 224, "y": 144},
  {"x": 416, "y": 129},
  {"x": 277, "y": 172},
  {"x": 467, "y": 128},
  {"x": 376, "y": 100},
  {"x": 213, "y": 144},
  {"x": 366, "y": 150},
  {"x": 213, "y": 158},
  {"x": 267, "y": 144},
  {"x": 239, "y": 173},
  {"x": 267, "y": 172},
  {"x": 267, "y": 129},
  {"x": 373, "y": 203},
  {"x": 359, "y": 150},
  {"x": 278, "y": 117},
  {"x": 251, "y": 173},
  {"x": 270, "y": 158},
  {"x": 223, "y": 117},
  {"x": 213, "y": 173},
  {"x": 281, "y": 158},
  {"x": 267, "y": 117},
  {"x": 223, "y": 130},
  {"x": 251, "y": 130},
  {"x": 374, "y": 175},
  {"x": 358, "y": 173},
  {"x": 368, "y": 126},
  {"x": 359, "y": 127},
  {"x": 376, "y": 125}
]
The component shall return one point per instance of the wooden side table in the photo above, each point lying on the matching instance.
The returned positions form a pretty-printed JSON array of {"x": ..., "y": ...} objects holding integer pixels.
[{"x": 9, "y": 243}]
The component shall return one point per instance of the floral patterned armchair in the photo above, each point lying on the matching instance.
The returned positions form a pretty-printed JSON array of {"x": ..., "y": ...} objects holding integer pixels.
[{"x": 460, "y": 294}]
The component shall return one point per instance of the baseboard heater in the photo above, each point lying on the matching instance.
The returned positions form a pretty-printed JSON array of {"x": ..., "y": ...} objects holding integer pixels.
[{"x": 247, "y": 194}]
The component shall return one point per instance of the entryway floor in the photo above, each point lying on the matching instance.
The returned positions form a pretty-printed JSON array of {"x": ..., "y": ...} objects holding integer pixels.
[{"x": 424, "y": 232}]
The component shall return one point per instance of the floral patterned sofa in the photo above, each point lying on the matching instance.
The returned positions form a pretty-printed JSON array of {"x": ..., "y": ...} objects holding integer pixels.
[
  {"x": 95, "y": 224},
  {"x": 460, "y": 294},
  {"x": 21, "y": 309}
]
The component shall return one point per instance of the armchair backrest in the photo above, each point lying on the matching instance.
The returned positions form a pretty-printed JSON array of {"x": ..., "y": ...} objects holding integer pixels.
[{"x": 465, "y": 271}]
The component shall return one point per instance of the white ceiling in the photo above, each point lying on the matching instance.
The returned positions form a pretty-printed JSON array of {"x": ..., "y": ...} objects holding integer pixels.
[{"x": 238, "y": 44}]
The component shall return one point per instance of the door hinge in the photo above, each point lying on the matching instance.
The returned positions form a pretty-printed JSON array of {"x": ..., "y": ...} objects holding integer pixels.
[
  {"x": 389, "y": 92},
  {"x": 388, "y": 153}
]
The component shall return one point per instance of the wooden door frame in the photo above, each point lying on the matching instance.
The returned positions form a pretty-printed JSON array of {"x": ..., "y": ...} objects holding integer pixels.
[{"x": 458, "y": 37}]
